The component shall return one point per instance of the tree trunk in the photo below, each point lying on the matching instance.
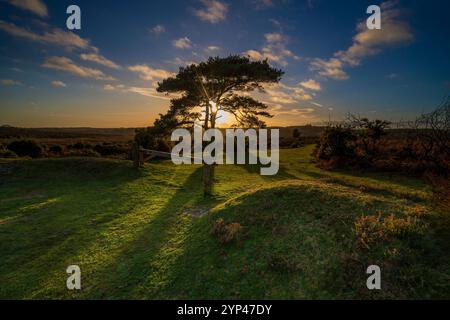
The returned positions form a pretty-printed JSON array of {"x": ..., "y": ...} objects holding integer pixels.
[
  {"x": 208, "y": 170},
  {"x": 208, "y": 179}
]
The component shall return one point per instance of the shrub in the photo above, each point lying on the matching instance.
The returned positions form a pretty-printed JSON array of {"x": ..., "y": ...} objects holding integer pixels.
[
  {"x": 424, "y": 147},
  {"x": 226, "y": 233},
  {"x": 25, "y": 148},
  {"x": 149, "y": 138},
  {"x": 368, "y": 135},
  {"x": 78, "y": 146},
  {"x": 111, "y": 149},
  {"x": 56, "y": 149},
  {"x": 7, "y": 154},
  {"x": 335, "y": 144},
  {"x": 371, "y": 230}
]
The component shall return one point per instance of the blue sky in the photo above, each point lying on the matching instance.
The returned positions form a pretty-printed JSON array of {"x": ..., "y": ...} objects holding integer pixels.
[{"x": 105, "y": 74}]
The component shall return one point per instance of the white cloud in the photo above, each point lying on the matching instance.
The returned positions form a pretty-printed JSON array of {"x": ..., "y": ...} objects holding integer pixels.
[
  {"x": 316, "y": 104},
  {"x": 67, "y": 65},
  {"x": 146, "y": 92},
  {"x": 182, "y": 43},
  {"x": 367, "y": 42},
  {"x": 59, "y": 84},
  {"x": 255, "y": 55},
  {"x": 394, "y": 31},
  {"x": 213, "y": 12},
  {"x": 94, "y": 57},
  {"x": 211, "y": 49},
  {"x": 148, "y": 73},
  {"x": 274, "y": 37},
  {"x": 332, "y": 68},
  {"x": 311, "y": 85},
  {"x": 109, "y": 87},
  {"x": 284, "y": 94},
  {"x": 9, "y": 82},
  {"x": 35, "y": 6},
  {"x": 182, "y": 62},
  {"x": 275, "y": 50},
  {"x": 280, "y": 110},
  {"x": 55, "y": 36},
  {"x": 158, "y": 29}
]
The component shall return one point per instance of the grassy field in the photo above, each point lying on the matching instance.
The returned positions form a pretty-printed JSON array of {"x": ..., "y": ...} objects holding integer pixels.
[{"x": 145, "y": 233}]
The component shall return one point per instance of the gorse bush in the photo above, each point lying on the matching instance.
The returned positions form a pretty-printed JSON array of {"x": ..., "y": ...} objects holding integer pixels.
[
  {"x": 363, "y": 143},
  {"x": 226, "y": 233},
  {"x": 56, "y": 149},
  {"x": 110, "y": 149},
  {"x": 335, "y": 145},
  {"x": 151, "y": 138},
  {"x": 374, "y": 229},
  {"x": 26, "y": 148}
]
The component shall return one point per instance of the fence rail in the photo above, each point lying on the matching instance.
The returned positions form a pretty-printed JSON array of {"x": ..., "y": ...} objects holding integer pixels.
[{"x": 140, "y": 155}]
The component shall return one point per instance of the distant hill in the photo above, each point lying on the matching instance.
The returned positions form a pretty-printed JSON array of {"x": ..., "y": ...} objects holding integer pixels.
[{"x": 91, "y": 134}]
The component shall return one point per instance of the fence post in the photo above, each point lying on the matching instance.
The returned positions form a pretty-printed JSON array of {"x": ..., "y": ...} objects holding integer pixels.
[
  {"x": 141, "y": 157},
  {"x": 135, "y": 154}
]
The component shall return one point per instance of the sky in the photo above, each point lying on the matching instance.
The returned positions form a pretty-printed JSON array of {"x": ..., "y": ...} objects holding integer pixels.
[{"x": 105, "y": 74}]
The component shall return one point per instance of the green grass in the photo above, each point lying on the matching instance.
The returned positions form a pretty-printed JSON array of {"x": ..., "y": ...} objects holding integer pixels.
[{"x": 131, "y": 232}]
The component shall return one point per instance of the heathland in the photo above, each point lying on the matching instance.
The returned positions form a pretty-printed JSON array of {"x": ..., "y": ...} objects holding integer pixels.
[{"x": 150, "y": 233}]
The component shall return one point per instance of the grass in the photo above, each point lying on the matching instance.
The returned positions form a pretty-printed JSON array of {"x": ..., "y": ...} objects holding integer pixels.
[{"x": 145, "y": 234}]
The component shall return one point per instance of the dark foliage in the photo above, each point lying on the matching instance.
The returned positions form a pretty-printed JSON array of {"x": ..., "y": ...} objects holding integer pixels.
[
  {"x": 359, "y": 142},
  {"x": 26, "y": 148},
  {"x": 153, "y": 139},
  {"x": 56, "y": 149},
  {"x": 110, "y": 149}
]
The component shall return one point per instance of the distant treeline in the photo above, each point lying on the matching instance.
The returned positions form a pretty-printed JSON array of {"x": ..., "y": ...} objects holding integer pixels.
[{"x": 8, "y": 132}]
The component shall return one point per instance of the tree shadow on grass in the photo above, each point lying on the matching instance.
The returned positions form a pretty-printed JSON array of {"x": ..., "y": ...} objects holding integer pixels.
[
  {"x": 365, "y": 187},
  {"x": 40, "y": 242},
  {"x": 256, "y": 169},
  {"x": 143, "y": 265},
  {"x": 297, "y": 243}
]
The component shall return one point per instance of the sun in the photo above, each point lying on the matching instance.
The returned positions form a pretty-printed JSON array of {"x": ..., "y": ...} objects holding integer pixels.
[{"x": 224, "y": 119}]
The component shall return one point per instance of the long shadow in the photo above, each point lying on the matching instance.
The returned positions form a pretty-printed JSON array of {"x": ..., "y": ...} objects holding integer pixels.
[
  {"x": 49, "y": 236},
  {"x": 256, "y": 169},
  {"x": 207, "y": 269},
  {"x": 143, "y": 266},
  {"x": 364, "y": 188}
]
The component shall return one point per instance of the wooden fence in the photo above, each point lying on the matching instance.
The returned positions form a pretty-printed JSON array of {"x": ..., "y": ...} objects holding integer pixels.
[{"x": 141, "y": 155}]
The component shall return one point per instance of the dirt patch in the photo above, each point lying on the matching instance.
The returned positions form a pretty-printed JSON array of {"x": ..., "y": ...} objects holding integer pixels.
[{"x": 197, "y": 211}]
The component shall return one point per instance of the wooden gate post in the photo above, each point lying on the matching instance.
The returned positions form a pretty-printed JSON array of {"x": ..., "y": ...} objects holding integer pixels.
[
  {"x": 141, "y": 157},
  {"x": 135, "y": 154}
]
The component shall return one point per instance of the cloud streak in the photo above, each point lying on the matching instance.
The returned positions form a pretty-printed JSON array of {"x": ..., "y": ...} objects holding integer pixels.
[
  {"x": 311, "y": 85},
  {"x": 9, "y": 82},
  {"x": 67, "y": 65},
  {"x": 146, "y": 92},
  {"x": 59, "y": 84},
  {"x": 99, "y": 59},
  {"x": 35, "y": 6},
  {"x": 55, "y": 37},
  {"x": 146, "y": 72}
]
